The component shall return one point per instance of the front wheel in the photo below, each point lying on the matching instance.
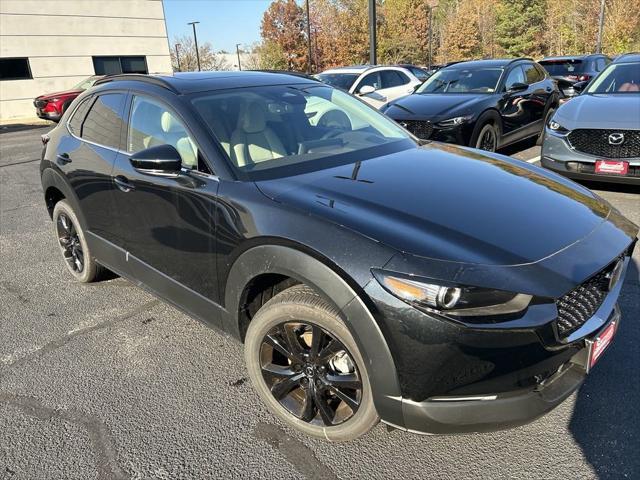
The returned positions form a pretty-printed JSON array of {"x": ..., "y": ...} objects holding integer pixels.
[
  {"x": 547, "y": 118},
  {"x": 306, "y": 367},
  {"x": 486, "y": 138}
]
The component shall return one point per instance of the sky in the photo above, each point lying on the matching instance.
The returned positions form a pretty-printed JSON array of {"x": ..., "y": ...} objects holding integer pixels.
[{"x": 222, "y": 22}]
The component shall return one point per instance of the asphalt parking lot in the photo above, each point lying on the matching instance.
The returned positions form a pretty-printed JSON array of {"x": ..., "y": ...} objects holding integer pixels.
[{"x": 105, "y": 381}]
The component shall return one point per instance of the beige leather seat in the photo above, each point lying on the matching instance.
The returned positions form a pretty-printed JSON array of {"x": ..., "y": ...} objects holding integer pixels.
[
  {"x": 253, "y": 141},
  {"x": 175, "y": 134}
]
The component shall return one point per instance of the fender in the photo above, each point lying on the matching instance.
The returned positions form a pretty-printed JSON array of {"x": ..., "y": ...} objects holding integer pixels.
[
  {"x": 52, "y": 178},
  {"x": 357, "y": 317}
]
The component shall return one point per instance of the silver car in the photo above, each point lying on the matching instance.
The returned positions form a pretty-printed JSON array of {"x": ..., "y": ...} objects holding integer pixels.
[{"x": 596, "y": 136}]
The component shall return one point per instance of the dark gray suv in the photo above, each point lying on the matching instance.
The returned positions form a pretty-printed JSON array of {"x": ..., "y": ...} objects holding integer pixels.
[{"x": 596, "y": 136}]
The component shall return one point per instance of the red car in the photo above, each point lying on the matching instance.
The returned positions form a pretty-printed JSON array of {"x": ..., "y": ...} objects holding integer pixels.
[{"x": 52, "y": 105}]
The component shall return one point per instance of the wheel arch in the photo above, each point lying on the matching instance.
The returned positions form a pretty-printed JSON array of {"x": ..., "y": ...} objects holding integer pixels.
[
  {"x": 56, "y": 188},
  {"x": 302, "y": 267}
]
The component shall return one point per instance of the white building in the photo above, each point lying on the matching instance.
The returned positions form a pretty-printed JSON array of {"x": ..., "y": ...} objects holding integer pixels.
[{"x": 48, "y": 46}]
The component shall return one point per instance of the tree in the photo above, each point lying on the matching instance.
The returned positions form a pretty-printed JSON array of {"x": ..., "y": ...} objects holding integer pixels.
[
  {"x": 404, "y": 31},
  {"x": 519, "y": 28},
  {"x": 283, "y": 26},
  {"x": 188, "y": 61}
]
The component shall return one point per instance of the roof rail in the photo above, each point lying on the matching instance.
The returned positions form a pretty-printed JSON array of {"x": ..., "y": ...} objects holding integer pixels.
[
  {"x": 520, "y": 59},
  {"x": 154, "y": 80}
]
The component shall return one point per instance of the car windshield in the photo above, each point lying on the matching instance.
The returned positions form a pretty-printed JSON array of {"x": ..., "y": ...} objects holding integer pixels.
[
  {"x": 462, "y": 80},
  {"x": 275, "y": 131},
  {"x": 86, "y": 83},
  {"x": 617, "y": 78},
  {"x": 338, "y": 80},
  {"x": 564, "y": 67}
]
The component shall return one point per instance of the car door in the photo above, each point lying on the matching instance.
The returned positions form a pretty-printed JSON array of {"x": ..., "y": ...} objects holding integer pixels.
[
  {"x": 514, "y": 106},
  {"x": 166, "y": 222},
  {"x": 375, "y": 98},
  {"x": 396, "y": 84},
  {"x": 86, "y": 156},
  {"x": 540, "y": 92}
]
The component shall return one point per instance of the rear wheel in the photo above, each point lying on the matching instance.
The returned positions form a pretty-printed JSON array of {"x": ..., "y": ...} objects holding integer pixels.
[
  {"x": 306, "y": 367},
  {"x": 73, "y": 244}
]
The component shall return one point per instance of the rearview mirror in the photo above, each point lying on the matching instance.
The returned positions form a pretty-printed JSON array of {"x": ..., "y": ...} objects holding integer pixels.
[
  {"x": 160, "y": 160},
  {"x": 517, "y": 87},
  {"x": 578, "y": 87},
  {"x": 367, "y": 89}
]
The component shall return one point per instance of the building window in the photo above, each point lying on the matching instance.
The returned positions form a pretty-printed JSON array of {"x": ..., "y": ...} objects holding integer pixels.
[
  {"x": 116, "y": 65},
  {"x": 15, "y": 69}
]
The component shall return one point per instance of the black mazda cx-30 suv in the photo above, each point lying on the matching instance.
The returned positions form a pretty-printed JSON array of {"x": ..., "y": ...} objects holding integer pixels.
[{"x": 434, "y": 287}]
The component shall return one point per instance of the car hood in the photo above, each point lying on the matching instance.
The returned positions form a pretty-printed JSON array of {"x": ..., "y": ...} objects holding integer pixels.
[
  {"x": 434, "y": 106},
  {"x": 600, "y": 111},
  {"x": 449, "y": 203},
  {"x": 59, "y": 94}
]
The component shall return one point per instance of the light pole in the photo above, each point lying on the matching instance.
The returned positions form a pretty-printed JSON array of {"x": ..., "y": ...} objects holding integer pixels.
[
  {"x": 430, "y": 8},
  {"x": 308, "y": 38},
  {"x": 600, "y": 27},
  {"x": 195, "y": 39},
  {"x": 238, "y": 54},
  {"x": 372, "y": 33},
  {"x": 178, "y": 56}
]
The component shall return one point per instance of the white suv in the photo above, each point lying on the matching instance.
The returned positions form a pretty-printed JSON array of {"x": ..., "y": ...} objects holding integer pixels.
[{"x": 375, "y": 85}]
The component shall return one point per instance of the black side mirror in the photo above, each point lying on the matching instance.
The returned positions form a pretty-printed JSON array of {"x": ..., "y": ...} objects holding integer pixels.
[
  {"x": 517, "y": 87},
  {"x": 578, "y": 87},
  {"x": 160, "y": 160}
]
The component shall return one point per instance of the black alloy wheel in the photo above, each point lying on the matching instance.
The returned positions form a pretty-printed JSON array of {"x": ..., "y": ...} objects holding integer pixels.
[
  {"x": 311, "y": 373},
  {"x": 487, "y": 140},
  {"x": 70, "y": 243}
]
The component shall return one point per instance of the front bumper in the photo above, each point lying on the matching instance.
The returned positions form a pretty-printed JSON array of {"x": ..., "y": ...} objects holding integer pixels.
[
  {"x": 557, "y": 155},
  {"x": 492, "y": 412}
]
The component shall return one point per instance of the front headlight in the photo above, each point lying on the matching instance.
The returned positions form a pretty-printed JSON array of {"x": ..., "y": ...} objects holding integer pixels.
[
  {"x": 557, "y": 128},
  {"x": 454, "y": 122},
  {"x": 455, "y": 300}
]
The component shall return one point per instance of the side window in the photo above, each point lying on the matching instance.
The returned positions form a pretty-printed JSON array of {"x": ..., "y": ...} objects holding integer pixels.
[
  {"x": 75, "y": 123},
  {"x": 393, "y": 78},
  {"x": 152, "y": 124},
  {"x": 372, "y": 79},
  {"x": 531, "y": 74},
  {"x": 103, "y": 124},
  {"x": 515, "y": 76},
  {"x": 600, "y": 64},
  {"x": 541, "y": 71}
]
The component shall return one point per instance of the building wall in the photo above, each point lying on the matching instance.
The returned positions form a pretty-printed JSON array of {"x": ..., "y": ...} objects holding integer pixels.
[{"x": 60, "y": 37}]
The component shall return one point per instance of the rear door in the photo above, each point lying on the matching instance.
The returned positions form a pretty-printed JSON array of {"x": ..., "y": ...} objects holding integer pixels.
[
  {"x": 513, "y": 107},
  {"x": 87, "y": 156},
  {"x": 540, "y": 91},
  {"x": 396, "y": 84}
]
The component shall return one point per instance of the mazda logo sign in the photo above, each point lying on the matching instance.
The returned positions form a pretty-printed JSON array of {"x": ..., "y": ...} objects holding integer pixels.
[
  {"x": 615, "y": 274},
  {"x": 616, "y": 138}
]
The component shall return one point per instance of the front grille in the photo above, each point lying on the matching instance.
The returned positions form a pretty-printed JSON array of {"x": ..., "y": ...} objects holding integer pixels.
[
  {"x": 581, "y": 303},
  {"x": 596, "y": 142},
  {"x": 39, "y": 103},
  {"x": 420, "y": 128}
]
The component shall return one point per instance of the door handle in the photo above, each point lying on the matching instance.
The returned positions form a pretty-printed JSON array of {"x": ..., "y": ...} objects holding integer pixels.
[
  {"x": 123, "y": 184},
  {"x": 63, "y": 159}
]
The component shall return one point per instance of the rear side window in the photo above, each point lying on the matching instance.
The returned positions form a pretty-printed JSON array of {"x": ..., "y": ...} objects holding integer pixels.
[
  {"x": 393, "y": 78},
  {"x": 103, "y": 124},
  {"x": 75, "y": 123},
  {"x": 600, "y": 64},
  {"x": 531, "y": 74}
]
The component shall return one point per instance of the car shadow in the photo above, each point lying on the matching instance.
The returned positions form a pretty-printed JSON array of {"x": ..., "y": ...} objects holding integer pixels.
[
  {"x": 606, "y": 417},
  {"x": 18, "y": 127}
]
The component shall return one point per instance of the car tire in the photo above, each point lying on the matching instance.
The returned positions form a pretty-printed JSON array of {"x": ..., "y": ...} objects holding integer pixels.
[
  {"x": 295, "y": 315},
  {"x": 73, "y": 244},
  {"x": 486, "y": 136},
  {"x": 547, "y": 117}
]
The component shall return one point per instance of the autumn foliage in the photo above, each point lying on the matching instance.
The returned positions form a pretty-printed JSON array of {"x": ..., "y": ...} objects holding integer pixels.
[{"x": 462, "y": 29}]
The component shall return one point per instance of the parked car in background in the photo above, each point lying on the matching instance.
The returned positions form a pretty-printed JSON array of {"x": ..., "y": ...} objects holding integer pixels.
[
  {"x": 568, "y": 70},
  {"x": 596, "y": 136},
  {"x": 51, "y": 106},
  {"x": 376, "y": 85},
  {"x": 420, "y": 73},
  {"x": 485, "y": 104},
  {"x": 440, "y": 289}
]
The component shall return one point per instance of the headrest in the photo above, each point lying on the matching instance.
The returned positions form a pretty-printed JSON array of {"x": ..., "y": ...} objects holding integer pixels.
[
  {"x": 169, "y": 123},
  {"x": 253, "y": 118}
]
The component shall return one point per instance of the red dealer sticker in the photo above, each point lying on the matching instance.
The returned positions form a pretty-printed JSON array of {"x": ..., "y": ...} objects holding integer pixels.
[
  {"x": 609, "y": 167},
  {"x": 601, "y": 342}
]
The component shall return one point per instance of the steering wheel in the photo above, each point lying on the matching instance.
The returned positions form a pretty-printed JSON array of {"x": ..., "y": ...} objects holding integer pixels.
[{"x": 335, "y": 119}]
